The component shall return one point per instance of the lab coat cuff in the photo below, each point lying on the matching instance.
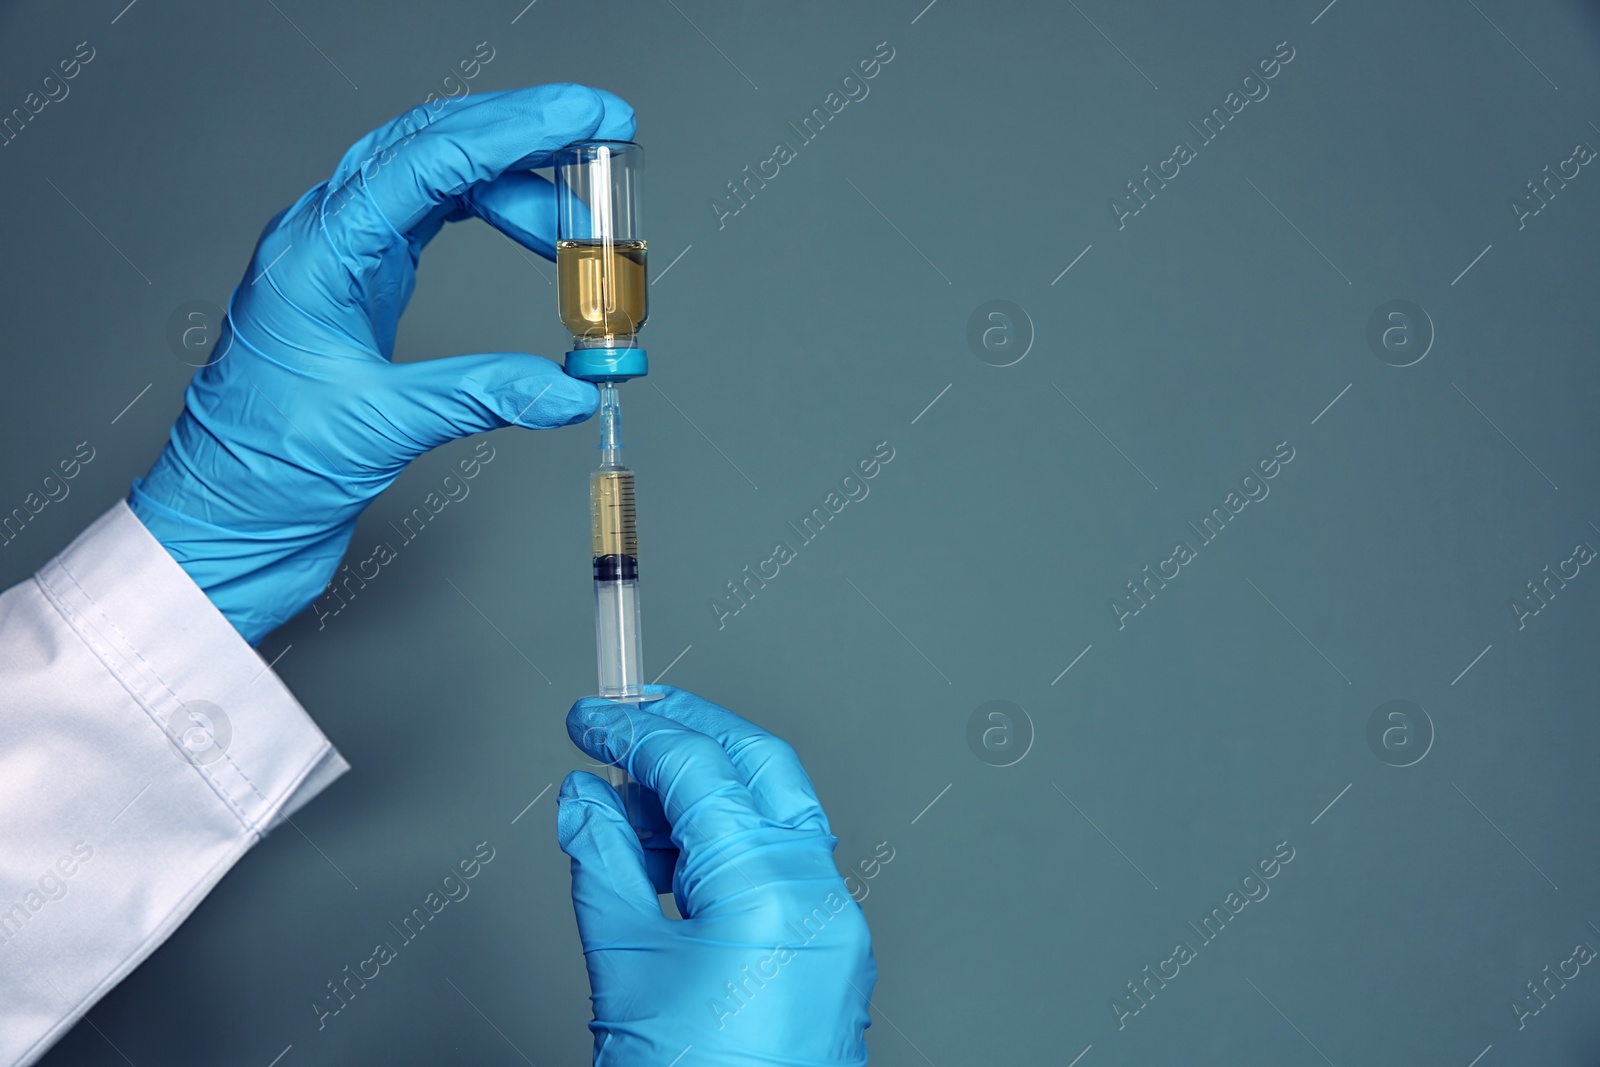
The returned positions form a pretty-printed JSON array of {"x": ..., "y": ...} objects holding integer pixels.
[{"x": 219, "y": 705}]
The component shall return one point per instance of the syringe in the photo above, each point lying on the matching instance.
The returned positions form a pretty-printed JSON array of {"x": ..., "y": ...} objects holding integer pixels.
[{"x": 615, "y": 546}]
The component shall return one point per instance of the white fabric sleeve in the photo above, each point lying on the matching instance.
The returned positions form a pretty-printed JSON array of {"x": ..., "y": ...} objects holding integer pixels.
[{"x": 144, "y": 746}]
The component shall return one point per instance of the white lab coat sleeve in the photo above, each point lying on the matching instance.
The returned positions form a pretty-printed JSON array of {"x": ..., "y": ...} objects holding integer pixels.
[{"x": 144, "y": 746}]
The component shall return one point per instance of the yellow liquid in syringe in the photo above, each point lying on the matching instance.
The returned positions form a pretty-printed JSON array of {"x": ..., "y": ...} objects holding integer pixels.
[
  {"x": 615, "y": 530},
  {"x": 601, "y": 289}
]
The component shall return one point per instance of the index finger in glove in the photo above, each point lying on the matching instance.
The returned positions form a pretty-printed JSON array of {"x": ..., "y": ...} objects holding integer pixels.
[
  {"x": 702, "y": 794},
  {"x": 766, "y": 763},
  {"x": 477, "y": 142}
]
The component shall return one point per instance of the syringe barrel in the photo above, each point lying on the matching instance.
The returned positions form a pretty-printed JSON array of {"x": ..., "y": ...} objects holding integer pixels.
[
  {"x": 614, "y": 544},
  {"x": 617, "y": 646}
]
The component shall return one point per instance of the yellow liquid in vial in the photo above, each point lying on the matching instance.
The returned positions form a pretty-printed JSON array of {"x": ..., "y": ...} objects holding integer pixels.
[
  {"x": 601, "y": 288},
  {"x": 615, "y": 529}
]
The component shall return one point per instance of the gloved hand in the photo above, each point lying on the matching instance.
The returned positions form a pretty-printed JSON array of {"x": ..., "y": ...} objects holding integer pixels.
[
  {"x": 299, "y": 419},
  {"x": 772, "y": 962}
]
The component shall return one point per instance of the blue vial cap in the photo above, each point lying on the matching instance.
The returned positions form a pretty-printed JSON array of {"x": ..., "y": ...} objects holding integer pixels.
[{"x": 607, "y": 364}]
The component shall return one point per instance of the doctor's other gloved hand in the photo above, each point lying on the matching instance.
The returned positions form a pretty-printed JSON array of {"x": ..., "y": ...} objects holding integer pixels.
[
  {"x": 771, "y": 962},
  {"x": 299, "y": 419}
]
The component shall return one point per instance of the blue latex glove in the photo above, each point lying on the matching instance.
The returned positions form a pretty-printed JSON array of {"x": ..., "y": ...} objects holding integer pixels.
[
  {"x": 299, "y": 419},
  {"x": 772, "y": 962}
]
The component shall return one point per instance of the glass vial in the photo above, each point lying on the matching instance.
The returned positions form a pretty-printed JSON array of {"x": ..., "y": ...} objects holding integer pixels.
[{"x": 601, "y": 281}]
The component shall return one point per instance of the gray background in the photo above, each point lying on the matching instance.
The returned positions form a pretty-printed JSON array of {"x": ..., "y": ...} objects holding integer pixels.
[{"x": 822, "y": 320}]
